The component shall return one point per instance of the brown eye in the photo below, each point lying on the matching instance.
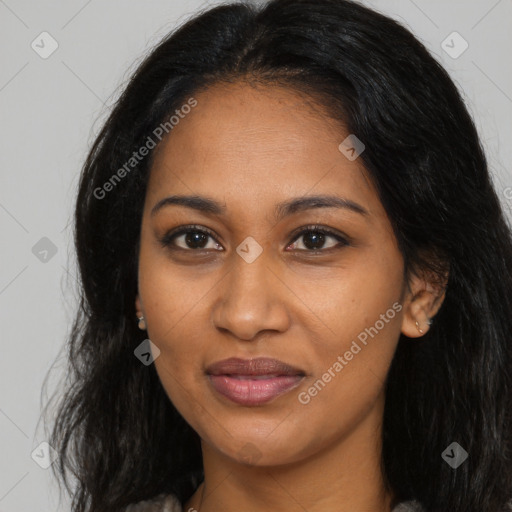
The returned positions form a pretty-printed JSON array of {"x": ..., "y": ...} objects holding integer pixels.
[
  {"x": 314, "y": 239},
  {"x": 194, "y": 239}
]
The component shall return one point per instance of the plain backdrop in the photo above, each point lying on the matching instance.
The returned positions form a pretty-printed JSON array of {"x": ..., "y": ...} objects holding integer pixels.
[{"x": 51, "y": 108}]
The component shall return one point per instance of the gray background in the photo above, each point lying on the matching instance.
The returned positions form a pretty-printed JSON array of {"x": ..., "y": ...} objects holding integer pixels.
[{"x": 52, "y": 108}]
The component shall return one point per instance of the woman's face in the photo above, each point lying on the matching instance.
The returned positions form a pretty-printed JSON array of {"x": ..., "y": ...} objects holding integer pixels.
[{"x": 244, "y": 283}]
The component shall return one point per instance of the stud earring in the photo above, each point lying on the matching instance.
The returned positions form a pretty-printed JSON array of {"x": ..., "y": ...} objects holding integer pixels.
[
  {"x": 142, "y": 323},
  {"x": 429, "y": 323}
]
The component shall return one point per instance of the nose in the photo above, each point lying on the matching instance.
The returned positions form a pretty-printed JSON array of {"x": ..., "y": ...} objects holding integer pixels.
[{"x": 252, "y": 299}]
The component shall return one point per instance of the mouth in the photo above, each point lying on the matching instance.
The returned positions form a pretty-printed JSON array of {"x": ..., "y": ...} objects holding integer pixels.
[{"x": 253, "y": 382}]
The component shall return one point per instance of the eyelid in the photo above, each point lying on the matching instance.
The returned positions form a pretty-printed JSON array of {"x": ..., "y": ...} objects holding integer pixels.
[
  {"x": 166, "y": 239},
  {"x": 323, "y": 229},
  {"x": 343, "y": 239}
]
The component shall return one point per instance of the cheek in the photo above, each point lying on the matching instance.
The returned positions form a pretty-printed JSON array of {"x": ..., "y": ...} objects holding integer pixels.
[
  {"x": 358, "y": 302},
  {"x": 172, "y": 299},
  {"x": 353, "y": 348},
  {"x": 172, "y": 303},
  {"x": 352, "y": 370},
  {"x": 348, "y": 381}
]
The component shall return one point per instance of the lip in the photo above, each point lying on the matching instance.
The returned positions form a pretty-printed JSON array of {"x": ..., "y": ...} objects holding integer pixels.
[{"x": 253, "y": 381}]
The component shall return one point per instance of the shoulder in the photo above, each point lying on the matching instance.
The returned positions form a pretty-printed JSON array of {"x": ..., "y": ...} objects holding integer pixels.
[{"x": 161, "y": 503}]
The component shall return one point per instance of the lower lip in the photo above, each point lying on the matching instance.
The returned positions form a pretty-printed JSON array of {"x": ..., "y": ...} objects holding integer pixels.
[{"x": 247, "y": 391}]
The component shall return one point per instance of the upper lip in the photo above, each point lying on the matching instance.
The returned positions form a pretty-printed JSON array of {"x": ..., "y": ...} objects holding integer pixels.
[{"x": 258, "y": 366}]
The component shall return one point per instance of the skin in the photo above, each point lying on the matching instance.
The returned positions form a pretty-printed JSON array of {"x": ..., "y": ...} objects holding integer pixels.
[{"x": 249, "y": 148}]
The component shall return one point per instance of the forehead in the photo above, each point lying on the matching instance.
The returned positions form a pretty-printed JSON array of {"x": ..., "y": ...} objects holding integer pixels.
[{"x": 257, "y": 144}]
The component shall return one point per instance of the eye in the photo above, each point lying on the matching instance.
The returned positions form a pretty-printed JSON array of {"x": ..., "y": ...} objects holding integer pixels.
[
  {"x": 315, "y": 237},
  {"x": 193, "y": 238}
]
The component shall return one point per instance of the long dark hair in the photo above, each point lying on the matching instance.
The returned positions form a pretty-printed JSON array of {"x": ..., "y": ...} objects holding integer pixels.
[{"x": 116, "y": 430}]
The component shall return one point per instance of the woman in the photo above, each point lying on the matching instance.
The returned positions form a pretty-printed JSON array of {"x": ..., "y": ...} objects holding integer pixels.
[{"x": 296, "y": 279}]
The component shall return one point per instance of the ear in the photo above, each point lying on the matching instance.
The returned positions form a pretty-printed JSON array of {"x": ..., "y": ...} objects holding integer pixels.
[
  {"x": 424, "y": 297},
  {"x": 138, "y": 306}
]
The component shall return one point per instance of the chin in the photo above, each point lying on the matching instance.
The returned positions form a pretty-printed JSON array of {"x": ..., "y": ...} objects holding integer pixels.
[{"x": 262, "y": 451}]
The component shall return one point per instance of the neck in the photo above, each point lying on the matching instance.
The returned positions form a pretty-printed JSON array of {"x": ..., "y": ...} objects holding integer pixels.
[{"x": 345, "y": 476}]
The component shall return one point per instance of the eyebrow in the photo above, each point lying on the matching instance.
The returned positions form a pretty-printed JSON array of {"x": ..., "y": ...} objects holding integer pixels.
[{"x": 211, "y": 207}]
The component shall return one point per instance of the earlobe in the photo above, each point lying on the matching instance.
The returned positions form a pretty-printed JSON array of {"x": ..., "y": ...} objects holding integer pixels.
[
  {"x": 422, "y": 305},
  {"x": 416, "y": 321},
  {"x": 138, "y": 305},
  {"x": 140, "y": 314}
]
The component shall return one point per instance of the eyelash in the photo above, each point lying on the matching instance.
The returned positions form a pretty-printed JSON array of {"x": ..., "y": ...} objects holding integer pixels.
[{"x": 168, "y": 238}]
